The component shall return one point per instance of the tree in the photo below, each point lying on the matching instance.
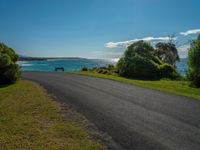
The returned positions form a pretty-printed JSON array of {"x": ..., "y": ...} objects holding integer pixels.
[
  {"x": 194, "y": 62},
  {"x": 139, "y": 61},
  {"x": 167, "y": 52},
  {"x": 9, "y": 70}
]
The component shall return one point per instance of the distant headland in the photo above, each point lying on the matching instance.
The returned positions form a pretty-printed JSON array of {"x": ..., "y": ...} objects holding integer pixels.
[{"x": 28, "y": 58}]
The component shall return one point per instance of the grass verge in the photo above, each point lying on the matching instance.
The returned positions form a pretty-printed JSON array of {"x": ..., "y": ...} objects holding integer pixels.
[
  {"x": 29, "y": 119},
  {"x": 175, "y": 87}
]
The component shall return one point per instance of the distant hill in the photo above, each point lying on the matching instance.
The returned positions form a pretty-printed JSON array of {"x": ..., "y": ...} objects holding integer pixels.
[{"x": 27, "y": 58}]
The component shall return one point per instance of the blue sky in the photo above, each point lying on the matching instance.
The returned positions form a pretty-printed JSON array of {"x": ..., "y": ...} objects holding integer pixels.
[{"x": 94, "y": 28}]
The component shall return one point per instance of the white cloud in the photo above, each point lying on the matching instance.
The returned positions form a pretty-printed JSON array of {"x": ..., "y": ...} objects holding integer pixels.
[
  {"x": 127, "y": 43},
  {"x": 189, "y": 32}
]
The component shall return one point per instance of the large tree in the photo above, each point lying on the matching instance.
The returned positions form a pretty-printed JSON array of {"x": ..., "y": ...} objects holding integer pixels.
[
  {"x": 167, "y": 52},
  {"x": 9, "y": 70},
  {"x": 194, "y": 62},
  {"x": 139, "y": 61}
]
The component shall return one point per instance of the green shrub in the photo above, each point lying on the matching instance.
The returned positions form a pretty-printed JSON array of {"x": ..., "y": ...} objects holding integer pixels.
[
  {"x": 110, "y": 67},
  {"x": 194, "y": 63},
  {"x": 105, "y": 71},
  {"x": 140, "y": 61},
  {"x": 141, "y": 48},
  {"x": 157, "y": 60},
  {"x": 167, "y": 52},
  {"x": 168, "y": 71},
  {"x": 100, "y": 70},
  {"x": 9, "y": 70},
  {"x": 138, "y": 67}
]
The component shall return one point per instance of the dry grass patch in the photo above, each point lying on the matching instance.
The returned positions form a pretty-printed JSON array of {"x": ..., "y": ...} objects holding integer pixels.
[{"x": 29, "y": 119}]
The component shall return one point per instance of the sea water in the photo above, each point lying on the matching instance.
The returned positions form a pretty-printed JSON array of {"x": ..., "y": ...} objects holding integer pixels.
[
  {"x": 182, "y": 66},
  {"x": 67, "y": 64},
  {"x": 78, "y": 64}
]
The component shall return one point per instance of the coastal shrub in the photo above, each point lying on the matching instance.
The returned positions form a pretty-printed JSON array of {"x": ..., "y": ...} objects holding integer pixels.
[
  {"x": 110, "y": 67},
  {"x": 100, "y": 70},
  {"x": 168, "y": 71},
  {"x": 194, "y": 63},
  {"x": 157, "y": 60},
  {"x": 141, "y": 48},
  {"x": 167, "y": 52},
  {"x": 9, "y": 70},
  {"x": 138, "y": 67},
  {"x": 138, "y": 62},
  {"x": 105, "y": 71}
]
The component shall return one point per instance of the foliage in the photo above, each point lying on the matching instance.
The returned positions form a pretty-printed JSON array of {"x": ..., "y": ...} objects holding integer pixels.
[
  {"x": 157, "y": 60},
  {"x": 141, "y": 48},
  {"x": 109, "y": 69},
  {"x": 194, "y": 62},
  {"x": 138, "y": 67},
  {"x": 167, "y": 52},
  {"x": 140, "y": 62},
  {"x": 9, "y": 70},
  {"x": 168, "y": 71}
]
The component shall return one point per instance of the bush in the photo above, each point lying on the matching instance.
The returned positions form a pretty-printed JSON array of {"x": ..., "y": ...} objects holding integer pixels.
[
  {"x": 194, "y": 63},
  {"x": 100, "y": 70},
  {"x": 194, "y": 77},
  {"x": 168, "y": 71},
  {"x": 157, "y": 60},
  {"x": 105, "y": 71},
  {"x": 138, "y": 67},
  {"x": 9, "y": 70},
  {"x": 139, "y": 61},
  {"x": 110, "y": 67},
  {"x": 167, "y": 52}
]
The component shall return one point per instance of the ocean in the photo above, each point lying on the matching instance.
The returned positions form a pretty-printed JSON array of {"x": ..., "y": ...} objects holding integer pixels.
[
  {"x": 67, "y": 64},
  {"x": 78, "y": 64}
]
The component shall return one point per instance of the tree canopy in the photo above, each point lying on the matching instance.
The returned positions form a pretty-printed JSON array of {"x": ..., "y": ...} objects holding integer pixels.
[
  {"x": 194, "y": 62},
  {"x": 9, "y": 70},
  {"x": 140, "y": 61},
  {"x": 167, "y": 52}
]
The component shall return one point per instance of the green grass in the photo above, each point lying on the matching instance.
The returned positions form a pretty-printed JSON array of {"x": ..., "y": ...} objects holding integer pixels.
[
  {"x": 29, "y": 119},
  {"x": 175, "y": 87}
]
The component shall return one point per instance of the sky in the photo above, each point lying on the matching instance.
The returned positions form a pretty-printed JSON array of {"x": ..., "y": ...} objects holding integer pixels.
[{"x": 95, "y": 28}]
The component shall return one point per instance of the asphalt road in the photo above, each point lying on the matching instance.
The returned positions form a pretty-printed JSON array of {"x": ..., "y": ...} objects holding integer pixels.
[{"x": 137, "y": 118}]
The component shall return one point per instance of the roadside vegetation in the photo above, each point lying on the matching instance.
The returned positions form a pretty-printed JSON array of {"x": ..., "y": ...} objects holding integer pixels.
[
  {"x": 194, "y": 63},
  {"x": 142, "y": 61},
  {"x": 29, "y": 119},
  {"x": 155, "y": 68},
  {"x": 9, "y": 70}
]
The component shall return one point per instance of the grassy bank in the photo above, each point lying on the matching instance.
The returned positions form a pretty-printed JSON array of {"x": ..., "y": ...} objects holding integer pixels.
[
  {"x": 30, "y": 120},
  {"x": 175, "y": 87}
]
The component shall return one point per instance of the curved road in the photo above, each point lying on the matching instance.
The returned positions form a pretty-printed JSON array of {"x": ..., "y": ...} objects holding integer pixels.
[{"x": 137, "y": 118}]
